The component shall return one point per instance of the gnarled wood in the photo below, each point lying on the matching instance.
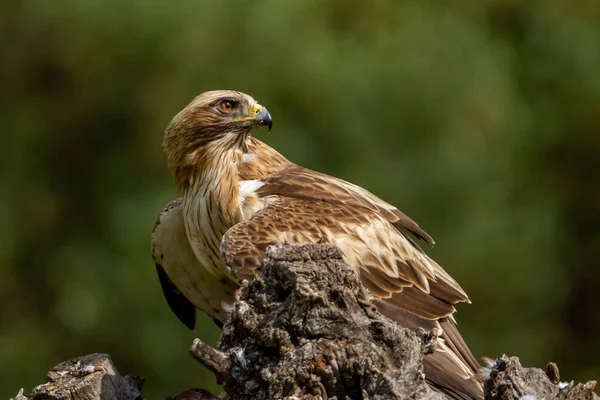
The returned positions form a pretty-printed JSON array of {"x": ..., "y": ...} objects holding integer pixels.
[
  {"x": 91, "y": 377},
  {"x": 508, "y": 380},
  {"x": 305, "y": 329}
]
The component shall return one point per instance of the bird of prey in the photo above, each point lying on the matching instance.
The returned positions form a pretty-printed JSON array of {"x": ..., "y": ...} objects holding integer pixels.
[{"x": 240, "y": 196}]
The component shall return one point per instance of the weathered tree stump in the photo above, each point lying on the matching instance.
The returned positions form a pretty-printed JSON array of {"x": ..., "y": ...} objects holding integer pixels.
[{"x": 305, "y": 329}]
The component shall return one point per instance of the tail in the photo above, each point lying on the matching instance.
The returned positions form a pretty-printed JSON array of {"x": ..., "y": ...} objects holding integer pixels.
[{"x": 451, "y": 369}]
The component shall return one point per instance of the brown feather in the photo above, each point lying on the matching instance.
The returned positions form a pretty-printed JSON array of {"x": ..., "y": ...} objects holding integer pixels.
[
  {"x": 385, "y": 282},
  {"x": 242, "y": 193},
  {"x": 440, "y": 371},
  {"x": 261, "y": 161},
  {"x": 310, "y": 207},
  {"x": 299, "y": 221},
  {"x": 404, "y": 222},
  {"x": 404, "y": 318},
  {"x": 457, "y": 343},
  {"x": 420, "y": 303}
]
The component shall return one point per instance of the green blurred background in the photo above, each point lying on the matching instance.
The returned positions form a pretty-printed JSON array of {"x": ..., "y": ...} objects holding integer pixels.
[{"x": 480, "y": 120}]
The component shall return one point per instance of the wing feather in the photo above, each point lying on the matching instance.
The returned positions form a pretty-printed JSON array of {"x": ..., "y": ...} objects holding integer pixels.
[
  {"x": 186, "y": 283},
  {"x": 367, "y": 241},
  {"x": 307, "y": 207},
  {"x": 178, "y": 303},
  {"x": 420, "y": 303},
  {"x": 302, "y": 183},
  {"x": 383, "y": 280}
]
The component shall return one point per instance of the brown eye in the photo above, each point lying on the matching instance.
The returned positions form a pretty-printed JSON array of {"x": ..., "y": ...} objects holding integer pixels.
[{"x": 227, "y": 106}]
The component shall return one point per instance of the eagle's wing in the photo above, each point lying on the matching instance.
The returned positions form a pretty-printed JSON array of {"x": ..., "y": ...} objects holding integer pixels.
[
  {"x": 186, "y": 283},
  {"x": 302, "y": 183},
  {"x": 307, "y": 207},
  {"x": 168, "y": 232}
]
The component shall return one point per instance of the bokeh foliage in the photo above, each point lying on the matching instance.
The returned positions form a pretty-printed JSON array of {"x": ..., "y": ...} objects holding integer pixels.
[{"x": 481, "y": 120}]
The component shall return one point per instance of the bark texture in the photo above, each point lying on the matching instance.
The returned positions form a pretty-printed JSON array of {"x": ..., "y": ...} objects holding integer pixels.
[
  {"x": 508, "y": 380},
  {"x": 305, "y": 329},
  {"x": 91, "y": 377}
]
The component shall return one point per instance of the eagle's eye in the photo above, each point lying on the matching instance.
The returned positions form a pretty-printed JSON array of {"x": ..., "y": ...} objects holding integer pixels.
[{"x": 227, "y": 106}]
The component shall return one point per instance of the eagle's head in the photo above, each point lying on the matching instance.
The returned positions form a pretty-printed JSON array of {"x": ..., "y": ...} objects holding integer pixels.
[{"x": 212, "y": 124}]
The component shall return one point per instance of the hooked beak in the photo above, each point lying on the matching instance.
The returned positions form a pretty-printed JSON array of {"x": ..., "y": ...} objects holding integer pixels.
[
  {"x": 261, "y": 116},
  {"x": 264, "y": 118}
]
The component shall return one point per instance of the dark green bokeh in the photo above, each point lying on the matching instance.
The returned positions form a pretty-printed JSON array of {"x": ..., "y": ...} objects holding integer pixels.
[{"x": 481, "y": 121}]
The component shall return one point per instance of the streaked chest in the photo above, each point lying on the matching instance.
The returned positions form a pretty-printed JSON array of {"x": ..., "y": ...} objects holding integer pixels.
[
  {"x": 211, "y": 208},
  {"x": 205, "y": 225}
]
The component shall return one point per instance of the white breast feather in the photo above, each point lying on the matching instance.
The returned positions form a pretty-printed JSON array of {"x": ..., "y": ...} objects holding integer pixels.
[
  {"x": 247, "y": 188},
  {"x": 249, "y": 157}
]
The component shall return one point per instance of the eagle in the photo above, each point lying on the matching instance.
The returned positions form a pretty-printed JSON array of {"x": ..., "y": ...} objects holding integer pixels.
[{"x": 240, "y": 196}]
